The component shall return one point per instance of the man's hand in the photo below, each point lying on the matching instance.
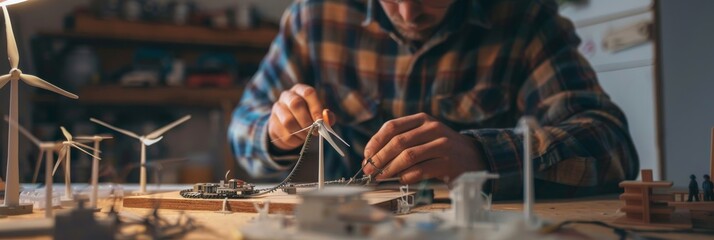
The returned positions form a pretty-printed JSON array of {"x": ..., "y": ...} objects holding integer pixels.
[
  {"x": 418, "y": 147},
  {"x": 296, "y": 109}
]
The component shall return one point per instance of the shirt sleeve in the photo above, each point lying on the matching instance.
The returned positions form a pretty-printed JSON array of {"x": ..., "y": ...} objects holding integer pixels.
[
  {"x": 280, "y": 69},
  {"x": 583, "y": 145}
]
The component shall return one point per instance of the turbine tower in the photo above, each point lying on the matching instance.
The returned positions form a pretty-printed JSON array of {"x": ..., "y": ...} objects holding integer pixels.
[
  {"x": 12, "y": 206},
  {"x": 65, "y": 154},
  {"x": 146, "y": 140}
]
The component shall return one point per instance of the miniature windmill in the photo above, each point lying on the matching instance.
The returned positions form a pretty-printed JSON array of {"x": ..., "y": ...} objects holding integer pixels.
[
  {"x": 12, "y": 193},
  {"x": 95, "y": 166},
  {"x": 146, "y": 140},
  {"x": 64, "y": 154},
  {"x": 46, "y": 149},
  {"x": 527, "y": 125},
  {"x": 324, "y": 130}
]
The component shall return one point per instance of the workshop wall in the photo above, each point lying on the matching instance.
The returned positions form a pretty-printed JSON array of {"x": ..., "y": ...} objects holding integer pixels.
[{"x": 687, "y": 83}]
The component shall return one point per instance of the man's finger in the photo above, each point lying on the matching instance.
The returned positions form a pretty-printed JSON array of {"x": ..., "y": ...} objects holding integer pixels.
[
  {"x": 283, "y": 123},
  {"x": 297, "y": 105},
  {"x": 390, "y": 129},
  {"x": 414, "y": 137},
  {"x": 413, "y": 156},
  {"x": 313, "y": 101},
  {"x": 433, "y": 168}
]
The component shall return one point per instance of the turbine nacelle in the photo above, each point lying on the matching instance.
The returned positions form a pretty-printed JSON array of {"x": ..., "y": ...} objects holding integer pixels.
[{"x": 148, "y": 142}]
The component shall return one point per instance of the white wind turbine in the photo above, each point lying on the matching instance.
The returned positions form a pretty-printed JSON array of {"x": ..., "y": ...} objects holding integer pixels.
[
  {"x": 323, "y": 130},
  {"x": 146, "y": 140},
  {"x": 47, "y": 150},
  {"x": 95, "y": 166},
  {"x": 12, "y": 193},
  {"x": 65, "y": 154}
]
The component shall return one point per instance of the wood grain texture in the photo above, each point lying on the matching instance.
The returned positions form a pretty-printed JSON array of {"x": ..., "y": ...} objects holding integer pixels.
[{"x": 280, "y": 202}]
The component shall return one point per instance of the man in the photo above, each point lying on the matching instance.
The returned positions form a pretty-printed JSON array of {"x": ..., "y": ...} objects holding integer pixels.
[
  {"x": 432, "y": 89},
  {"x": 707, "y": 188},
  {"x": 693, "y": 189}
]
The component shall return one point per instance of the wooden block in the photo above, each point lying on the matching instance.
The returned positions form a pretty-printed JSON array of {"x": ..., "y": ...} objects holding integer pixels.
[
  {"x": 680, "y": 219},
  {"x": 635, "y": 184},
  {"x": 653, "y": 210},
  {"x": 2, "y": 185},
  {"x": 279, "y": 202},
  {"x": 646, "y": 175},
  {"x": 653, "y": 197},
  {"x": 700, "y": 206},
  {"x": 702, "y": 219}
]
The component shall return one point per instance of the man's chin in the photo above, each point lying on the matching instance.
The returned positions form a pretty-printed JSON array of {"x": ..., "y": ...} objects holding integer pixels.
[{"x": 413, "y": 35}]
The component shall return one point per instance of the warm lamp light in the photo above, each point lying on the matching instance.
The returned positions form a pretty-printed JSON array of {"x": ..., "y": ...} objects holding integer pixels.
[{"x": 10, "y": 2}]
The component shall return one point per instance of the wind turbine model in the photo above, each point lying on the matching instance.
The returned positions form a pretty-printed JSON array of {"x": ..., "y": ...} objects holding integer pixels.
[
  {"x": 324, "y": 130},
  {"x": 146, "y": 140},
  {"x": 528, "y": 125},
  {"x": 65, "y": 154},
  {"x": 46, "y": 149},
  {"x": 12, "y": 194},
  {"x": 95, "y": 166}
]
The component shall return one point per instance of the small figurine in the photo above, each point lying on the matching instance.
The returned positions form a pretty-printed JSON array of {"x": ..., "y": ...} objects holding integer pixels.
[
  {"x": 708, "y": 188},
  {"x": 693, "y": 189}
]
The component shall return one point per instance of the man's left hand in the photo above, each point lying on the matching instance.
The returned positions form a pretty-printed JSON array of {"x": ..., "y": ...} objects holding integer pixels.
[{"x": 418, "y": 147}]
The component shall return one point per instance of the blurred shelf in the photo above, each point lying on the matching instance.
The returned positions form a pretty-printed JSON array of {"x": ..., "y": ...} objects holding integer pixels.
[
  {"x": 87, "y": 26},
  {"x": 159, "y": 96}
]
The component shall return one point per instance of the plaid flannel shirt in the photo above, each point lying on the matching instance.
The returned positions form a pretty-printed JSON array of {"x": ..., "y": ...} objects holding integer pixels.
[{"x": 490, "y": 63}]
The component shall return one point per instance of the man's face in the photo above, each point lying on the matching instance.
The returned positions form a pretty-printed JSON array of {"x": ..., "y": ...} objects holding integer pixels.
[{"x": 416, "y": 20}]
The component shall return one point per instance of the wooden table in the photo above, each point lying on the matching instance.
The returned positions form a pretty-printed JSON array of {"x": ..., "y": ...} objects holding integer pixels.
[{"x": 220, "y": 226}]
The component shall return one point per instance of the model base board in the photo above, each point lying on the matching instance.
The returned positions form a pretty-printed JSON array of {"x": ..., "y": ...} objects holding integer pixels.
[
  {"x": 16, "y": 210},
  {"x": 280, "y": 202}
]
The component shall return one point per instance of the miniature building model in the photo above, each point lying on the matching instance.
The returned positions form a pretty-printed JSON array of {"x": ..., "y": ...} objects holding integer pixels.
[
  {"x": 467, "y": 200},
  {"x": 340, "y": 211},
  {"x": 642, "y": 205}
]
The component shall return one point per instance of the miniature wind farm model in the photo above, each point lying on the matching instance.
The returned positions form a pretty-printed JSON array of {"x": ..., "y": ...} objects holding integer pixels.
[
  {"x": 46, "y": 149},
  {"x": 240, "y": 189},
  {"x": 146, "y": 140},
  {"x": 322, "y": 126},
  {"x": 11, "y": 203},
  {"x": 95, "y": 166},
  {"x": 65, "y": 155},
  {"x": 339, "y": 212}
]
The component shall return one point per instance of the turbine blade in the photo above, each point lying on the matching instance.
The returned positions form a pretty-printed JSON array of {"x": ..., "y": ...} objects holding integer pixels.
[
  {"x": 329, "y": 129},
  {"x": 161, "y": 131},
  {"x": 39, "y": 83},
  {"x": 84, "y": 151},
  {"x": 285, "y": 137},
  {"x": 95, "y": 137},
  {"x": 4, "y": 79},
  {"x": 66, "y": 133},
  {"x": 326, "y": 135},
  {"x": 12, "y": 53},
  {"x": 23, "y": 131},
  {"x": 85, "y": 146},
  {"x": 149, "y": 142},
  {"x": 62, "y": 156},
  {"x": 125, "y": 132},
  {"x": 37, "y": 166}
]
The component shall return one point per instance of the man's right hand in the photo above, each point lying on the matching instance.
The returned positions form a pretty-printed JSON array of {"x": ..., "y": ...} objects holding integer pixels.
[{"x": 296, "y": 109}]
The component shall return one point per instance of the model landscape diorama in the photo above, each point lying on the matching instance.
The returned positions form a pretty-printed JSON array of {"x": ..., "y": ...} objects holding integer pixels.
[{"x": 328, "y": 208}]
